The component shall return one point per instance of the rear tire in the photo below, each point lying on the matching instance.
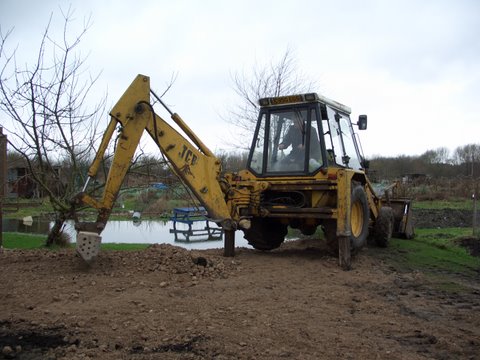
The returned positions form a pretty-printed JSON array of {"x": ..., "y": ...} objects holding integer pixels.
[
  {"x": 384, "y": 226},
  {"x": 265, "y": 234}
]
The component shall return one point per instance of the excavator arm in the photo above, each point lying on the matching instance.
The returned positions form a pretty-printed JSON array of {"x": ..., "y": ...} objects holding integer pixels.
[{"x": 196, "y": 165}]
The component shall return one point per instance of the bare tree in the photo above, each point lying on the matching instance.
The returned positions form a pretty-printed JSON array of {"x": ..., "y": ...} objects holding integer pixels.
[
  {"x": 468, "y": 155},
  {"x": 233, "y": 161},
  {"x": 275, "y": 79},
  {"x": 53, "y": 126},
  {"x": 437, "y": 156},
  {"x": 442, "y": 155}
]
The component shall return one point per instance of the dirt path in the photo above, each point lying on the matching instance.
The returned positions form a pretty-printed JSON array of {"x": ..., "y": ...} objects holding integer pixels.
[{"x": 170, "y": 303}]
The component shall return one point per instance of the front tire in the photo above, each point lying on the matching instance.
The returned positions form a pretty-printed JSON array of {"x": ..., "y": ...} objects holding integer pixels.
[{"x": 359, "y": 218}]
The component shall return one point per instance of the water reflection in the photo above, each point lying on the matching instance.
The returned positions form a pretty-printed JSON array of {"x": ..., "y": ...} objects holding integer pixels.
[{"x": 138, "y": 232}]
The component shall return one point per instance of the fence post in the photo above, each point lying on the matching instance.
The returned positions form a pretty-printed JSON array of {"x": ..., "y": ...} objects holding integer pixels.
[
  {"x": 3, "y": 179},
  {"x": 474, "y": 220}
]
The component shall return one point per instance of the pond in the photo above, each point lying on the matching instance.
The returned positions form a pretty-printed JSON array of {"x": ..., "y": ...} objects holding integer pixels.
[{"x": 133, "y": 232}]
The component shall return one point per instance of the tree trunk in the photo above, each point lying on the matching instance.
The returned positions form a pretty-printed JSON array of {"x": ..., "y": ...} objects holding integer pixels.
[{"x": 55, "y": 235}]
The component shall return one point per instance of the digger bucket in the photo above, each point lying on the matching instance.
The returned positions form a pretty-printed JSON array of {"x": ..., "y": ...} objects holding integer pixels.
[
  {"x": 403, "y": 218},
  {"x": 88, "y": 245}
]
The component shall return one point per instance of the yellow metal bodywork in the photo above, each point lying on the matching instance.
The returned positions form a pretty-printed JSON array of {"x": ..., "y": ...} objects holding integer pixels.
[{"x": 330, "y": 194}]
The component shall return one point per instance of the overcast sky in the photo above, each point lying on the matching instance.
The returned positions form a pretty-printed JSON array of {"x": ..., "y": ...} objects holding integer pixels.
[{"x": 412, "y": 66}]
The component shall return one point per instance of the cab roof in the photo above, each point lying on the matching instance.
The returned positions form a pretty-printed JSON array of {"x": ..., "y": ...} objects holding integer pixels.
[{"x": 302, "y": 98}]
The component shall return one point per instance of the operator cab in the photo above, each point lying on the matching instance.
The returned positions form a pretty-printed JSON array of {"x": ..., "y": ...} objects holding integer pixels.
[{"x": 301, "y": 134}]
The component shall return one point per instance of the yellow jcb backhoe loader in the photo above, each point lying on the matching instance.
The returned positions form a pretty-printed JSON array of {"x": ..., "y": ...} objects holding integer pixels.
[{"x": 305, "y": 170}]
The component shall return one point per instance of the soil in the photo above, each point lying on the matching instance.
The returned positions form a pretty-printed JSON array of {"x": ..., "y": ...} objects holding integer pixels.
[
  {"x": 472, "y": 244},
  {"x": 170, "y": 303},
  {"x": 441, "y": 218}
]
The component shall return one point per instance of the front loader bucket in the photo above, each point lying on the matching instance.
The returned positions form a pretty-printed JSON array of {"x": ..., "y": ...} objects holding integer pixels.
[{"x": 403, "y": 218}]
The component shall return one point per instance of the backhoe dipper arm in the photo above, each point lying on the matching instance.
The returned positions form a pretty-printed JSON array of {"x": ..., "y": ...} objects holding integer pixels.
[{"x": 198, "y": 168}]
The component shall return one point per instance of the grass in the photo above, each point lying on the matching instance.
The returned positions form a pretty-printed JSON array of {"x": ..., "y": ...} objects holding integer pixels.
[
  {"x": 437, "y": 256},
  {"x": 23, "y": 241},
  {"x": 436, "y": 253},
  {"x": 13, "y": 240},
  {"x": 459, "y": 204},
  {"x": 41, "y": 208}
]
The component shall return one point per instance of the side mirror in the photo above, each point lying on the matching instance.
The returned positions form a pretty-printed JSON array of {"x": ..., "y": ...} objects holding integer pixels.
[{"x": 362, "y": 122}]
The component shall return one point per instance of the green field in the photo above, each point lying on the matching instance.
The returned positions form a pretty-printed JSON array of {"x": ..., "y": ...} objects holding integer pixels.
[
  {"x": 437, "y": 255},
  {"x": 437, "y": 250},
  {"x": 461, "y": 204},
  {"x": 23, "y": 241},
  {"x": 29, "y": 241}
]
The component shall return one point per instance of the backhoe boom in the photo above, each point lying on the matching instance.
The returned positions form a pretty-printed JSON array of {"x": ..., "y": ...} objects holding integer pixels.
[{"x": 198, "y": 168}]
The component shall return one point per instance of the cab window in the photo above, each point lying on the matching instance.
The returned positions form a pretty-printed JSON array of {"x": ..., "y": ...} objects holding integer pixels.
[{"x": 341, "y": 149}]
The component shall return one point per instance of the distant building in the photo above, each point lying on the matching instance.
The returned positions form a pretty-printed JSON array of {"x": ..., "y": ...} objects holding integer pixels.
[
  {"x": 414, "y": 177},
  {"x": 20, "y": 183}
]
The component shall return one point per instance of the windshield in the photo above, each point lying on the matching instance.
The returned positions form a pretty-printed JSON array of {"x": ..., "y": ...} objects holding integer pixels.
[{"x": 287, "y": 142}]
